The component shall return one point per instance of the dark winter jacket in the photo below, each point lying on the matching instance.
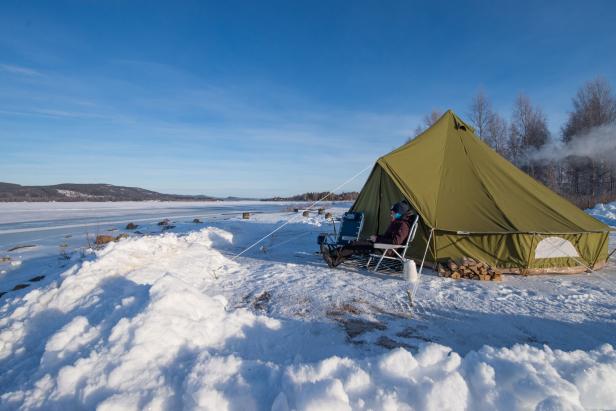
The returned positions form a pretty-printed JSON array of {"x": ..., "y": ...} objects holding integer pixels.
[{"x": 398, "y": 230}]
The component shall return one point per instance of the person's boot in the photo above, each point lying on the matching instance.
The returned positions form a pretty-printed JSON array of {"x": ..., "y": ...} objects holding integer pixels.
[
  {"x": 337, "y": 259},
  {"x": 327, "y": 255}
]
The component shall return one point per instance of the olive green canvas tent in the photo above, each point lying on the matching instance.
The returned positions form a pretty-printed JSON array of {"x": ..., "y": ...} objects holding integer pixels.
[{"x": 474, "y": 203}]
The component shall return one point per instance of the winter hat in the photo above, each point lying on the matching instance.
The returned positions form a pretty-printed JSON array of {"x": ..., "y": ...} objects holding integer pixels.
[{"x": 401, "y": 207}]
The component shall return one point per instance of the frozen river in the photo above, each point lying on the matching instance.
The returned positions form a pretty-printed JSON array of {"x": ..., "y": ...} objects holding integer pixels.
[{"x": 39, "y": 238}]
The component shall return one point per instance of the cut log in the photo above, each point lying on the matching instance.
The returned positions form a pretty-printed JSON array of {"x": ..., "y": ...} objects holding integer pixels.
[{"x": 468, "y": 268}]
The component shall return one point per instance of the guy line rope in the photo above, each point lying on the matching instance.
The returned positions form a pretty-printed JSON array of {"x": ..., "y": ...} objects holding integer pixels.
[{"x": 235, "y": 257}]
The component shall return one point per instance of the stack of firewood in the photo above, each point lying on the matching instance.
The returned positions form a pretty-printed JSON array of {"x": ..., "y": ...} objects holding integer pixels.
[{"x": 469, "y": 268}]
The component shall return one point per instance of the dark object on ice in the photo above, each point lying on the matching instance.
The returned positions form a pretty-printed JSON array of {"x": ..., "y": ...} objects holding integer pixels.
[
  {"x": 328, "y": 215},
  {"x": 260, "y": 303},
  {"x": 306, "y": 213},
  {"x": 36, "y": 279},
  {"x": 321, "y": 211},
  {"x": 197, "y": 221},
  {"x": 19, "y": 247},
  {"x": 2, "y": 293},
  {"x": 246, "y": 215},
  {"x": 103, "y": 239},
  {"x": 165, "y": 222},
  {"x": 168, "y": 227},
  {"x": 131, "y": 226},
  {"x": 20, "y": 287}
]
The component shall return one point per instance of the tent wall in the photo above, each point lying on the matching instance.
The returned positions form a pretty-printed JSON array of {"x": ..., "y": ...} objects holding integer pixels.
[
  {"x": 517, "y": 250},
  {"x": 375, "y": 200},
  {"x": 508, "y": 251}
]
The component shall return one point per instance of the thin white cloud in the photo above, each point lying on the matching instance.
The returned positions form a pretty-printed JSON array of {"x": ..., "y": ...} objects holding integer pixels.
[
  {"x": 20, "y": 70},
  {"x": 51, "y": 113}
]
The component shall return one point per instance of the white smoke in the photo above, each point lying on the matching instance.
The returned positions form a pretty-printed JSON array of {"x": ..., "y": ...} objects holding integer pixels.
[{"x": 599, "y": 143}]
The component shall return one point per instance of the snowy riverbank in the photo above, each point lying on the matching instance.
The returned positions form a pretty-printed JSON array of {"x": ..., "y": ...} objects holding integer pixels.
[{"x": 169, "y": 321}]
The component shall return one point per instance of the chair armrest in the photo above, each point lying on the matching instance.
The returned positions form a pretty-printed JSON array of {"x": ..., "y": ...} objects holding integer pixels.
[{"x": 383, "y": 246}]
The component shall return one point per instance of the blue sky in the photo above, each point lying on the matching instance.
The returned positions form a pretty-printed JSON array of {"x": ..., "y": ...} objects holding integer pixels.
[{"x": 276, "y": 98}]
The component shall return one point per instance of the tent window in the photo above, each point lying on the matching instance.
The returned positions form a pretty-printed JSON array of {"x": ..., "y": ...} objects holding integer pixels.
[{"x": 554, "y": 247}]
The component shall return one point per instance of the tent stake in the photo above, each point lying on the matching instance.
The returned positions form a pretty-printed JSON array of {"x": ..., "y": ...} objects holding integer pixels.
[{"x": 411, "y": 294}]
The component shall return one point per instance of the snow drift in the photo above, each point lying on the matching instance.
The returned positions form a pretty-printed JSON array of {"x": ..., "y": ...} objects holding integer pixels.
[
  {"x": 604, "y": 212},
  {"x": 137, "y": 328}
]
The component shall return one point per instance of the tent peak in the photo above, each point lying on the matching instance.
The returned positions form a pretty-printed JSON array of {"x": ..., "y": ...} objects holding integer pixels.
[{"x": 457, "y": 121}]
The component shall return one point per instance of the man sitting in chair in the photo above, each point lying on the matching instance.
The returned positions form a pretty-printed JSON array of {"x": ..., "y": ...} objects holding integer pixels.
[{"x": 397, "y": 232}]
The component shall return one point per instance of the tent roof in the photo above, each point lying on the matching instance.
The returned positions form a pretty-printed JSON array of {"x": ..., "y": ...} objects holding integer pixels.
[{"x": 458, "y": 183}]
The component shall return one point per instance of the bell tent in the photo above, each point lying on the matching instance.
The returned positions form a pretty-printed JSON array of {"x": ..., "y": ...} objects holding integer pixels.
[{"x": 474, "y": 203}]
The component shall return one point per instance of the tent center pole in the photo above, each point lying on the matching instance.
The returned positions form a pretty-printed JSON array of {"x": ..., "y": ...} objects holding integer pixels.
[{"x": 416, "y": 285}]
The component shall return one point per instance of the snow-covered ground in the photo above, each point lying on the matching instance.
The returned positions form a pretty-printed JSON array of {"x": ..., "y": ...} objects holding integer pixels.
[
  {"x": 605, "y": 213},
  {"x": 169, "y": 320}
]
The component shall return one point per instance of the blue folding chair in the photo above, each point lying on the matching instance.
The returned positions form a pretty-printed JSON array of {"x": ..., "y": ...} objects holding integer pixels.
[{"x": 350, "y": 230}]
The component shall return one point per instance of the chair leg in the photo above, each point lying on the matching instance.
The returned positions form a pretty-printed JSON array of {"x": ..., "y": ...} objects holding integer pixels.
[
  {"x": 379, "y": 263},
  {"x": 368, "y": 263}
]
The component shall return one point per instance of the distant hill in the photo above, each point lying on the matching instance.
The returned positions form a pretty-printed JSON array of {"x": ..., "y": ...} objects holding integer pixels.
[
  {"x": 87, "y": 192},
  {"x": 351, "y": 196}
]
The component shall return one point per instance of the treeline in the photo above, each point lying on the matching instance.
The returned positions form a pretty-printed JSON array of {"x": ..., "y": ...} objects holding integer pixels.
[
  {"x": 87, "y": 192},
  {"x": 579, "y": 162},
  {"x": 350, "y": 196}
]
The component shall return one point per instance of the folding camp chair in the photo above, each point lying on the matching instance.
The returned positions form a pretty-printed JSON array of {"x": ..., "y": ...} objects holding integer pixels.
[
  {"x": 398, "y": 251},
  {"x": 350, "y": 229}
]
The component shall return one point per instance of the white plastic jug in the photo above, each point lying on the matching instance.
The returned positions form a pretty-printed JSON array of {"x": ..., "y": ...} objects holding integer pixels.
[{"x": 410, "y": 271}]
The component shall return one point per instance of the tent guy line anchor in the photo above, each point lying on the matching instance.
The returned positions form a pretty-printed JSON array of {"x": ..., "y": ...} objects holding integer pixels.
[
  {"x": 330, "y": 192},
  {"x": 411, "y": 295}
]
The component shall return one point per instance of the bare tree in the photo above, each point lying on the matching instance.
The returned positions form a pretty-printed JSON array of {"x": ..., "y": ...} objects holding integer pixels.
[
  {"x": 514, "y": 146},
  {"x": 480, "y": 113},
  {"x": 593, "y": 105},
  {"x": 589, "y": 180},
  {"x": 529, "y": 124},
  {"x": 489, "y": 125},
  {"x": 496, "y": 133},
  {"x": 428, "y": 121},
  {"x": 528, "y": 133}
]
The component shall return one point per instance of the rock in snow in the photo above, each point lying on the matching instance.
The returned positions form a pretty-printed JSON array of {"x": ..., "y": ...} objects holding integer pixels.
[{"x": 138, "y": 328}]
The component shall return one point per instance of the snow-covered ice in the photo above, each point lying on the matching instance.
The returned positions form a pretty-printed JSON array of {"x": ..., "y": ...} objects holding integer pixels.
[
  {"x": 605, "y": 213},
  {"x": 169, "y": 320}
]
